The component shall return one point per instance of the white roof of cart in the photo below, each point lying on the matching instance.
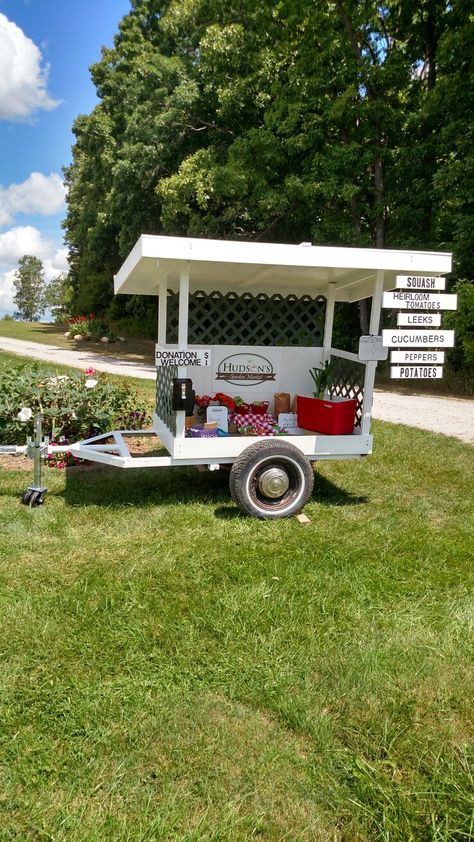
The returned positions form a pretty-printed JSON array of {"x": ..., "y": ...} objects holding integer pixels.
[{"x": 227, "y": 265}]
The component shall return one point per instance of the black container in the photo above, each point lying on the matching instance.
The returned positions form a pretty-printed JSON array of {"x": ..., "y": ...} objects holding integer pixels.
[{"x": 183, "y": 395}]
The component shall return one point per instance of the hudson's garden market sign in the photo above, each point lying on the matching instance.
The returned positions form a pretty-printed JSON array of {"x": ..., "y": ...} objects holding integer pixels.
[
  {"x": 416, "y": 293},
  {"x": 245, "y": 369}
]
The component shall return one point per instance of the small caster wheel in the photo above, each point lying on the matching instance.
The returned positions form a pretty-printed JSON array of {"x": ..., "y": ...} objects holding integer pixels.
[{"x": 35, "y": 499}]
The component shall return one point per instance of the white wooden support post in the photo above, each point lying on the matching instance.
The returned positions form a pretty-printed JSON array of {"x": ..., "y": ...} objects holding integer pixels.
[
  {"x": 162, "y": 311},
  {"x": 182, "y": 336},
  {"x": 376, "y": 308},
  {"x": 183, "y": 308},
  {"x": 370, "y": 367},
  {"x": 329, "y": 321},
  {"x": 162, "y": 316}
]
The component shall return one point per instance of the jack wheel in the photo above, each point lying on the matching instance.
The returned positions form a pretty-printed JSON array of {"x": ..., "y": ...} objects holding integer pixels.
[{"x": 32, "y": 498}]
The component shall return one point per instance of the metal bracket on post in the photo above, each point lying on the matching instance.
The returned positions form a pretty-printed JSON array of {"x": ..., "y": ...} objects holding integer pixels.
[{"x": 36, "y": 448}]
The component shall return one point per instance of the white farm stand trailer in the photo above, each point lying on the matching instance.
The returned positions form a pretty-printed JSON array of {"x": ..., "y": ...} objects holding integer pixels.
[{"x": 270, "y": 477}]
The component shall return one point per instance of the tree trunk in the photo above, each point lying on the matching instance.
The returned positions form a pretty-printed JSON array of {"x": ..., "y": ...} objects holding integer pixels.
[{"x": 379, "y": 203}]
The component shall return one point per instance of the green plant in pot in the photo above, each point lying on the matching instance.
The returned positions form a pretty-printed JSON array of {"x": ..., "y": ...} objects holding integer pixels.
[{"x": 322, "y": 378}]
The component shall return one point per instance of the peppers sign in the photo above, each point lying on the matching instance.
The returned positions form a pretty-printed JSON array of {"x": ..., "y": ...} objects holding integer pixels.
[
  {"x": 417, "y": 357},
  {"x": 167, "y": 357}
]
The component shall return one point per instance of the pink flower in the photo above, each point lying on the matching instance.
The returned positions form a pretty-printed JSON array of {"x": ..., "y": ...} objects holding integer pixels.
[{"x": 89, "y": 372}]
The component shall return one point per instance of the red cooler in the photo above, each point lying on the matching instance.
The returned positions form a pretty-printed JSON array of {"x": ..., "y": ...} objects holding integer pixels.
[{"x": 333, "y": 417}]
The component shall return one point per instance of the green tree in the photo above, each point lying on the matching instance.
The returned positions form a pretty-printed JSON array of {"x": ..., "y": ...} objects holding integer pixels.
[
  {"x": 58, "y": 296},
  {"x": 30, "y": 288},
  {"x": 338, "y": 123},
  {"x": 462, "y": 321}
]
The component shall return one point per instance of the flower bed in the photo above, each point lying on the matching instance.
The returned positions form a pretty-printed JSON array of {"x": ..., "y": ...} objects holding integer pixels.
[{"x": 73, "y": 407}]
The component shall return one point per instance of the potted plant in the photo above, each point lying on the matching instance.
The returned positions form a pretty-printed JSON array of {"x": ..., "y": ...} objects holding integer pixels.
[
  {"x": 259, "y": 407},
  {"x": 321, "y": 413},
  {"x": 241, "y": 407},
  {"x": 201, "y": 403}
]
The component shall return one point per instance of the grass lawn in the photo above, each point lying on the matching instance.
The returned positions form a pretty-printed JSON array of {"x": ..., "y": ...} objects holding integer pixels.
[
  {"x": 135, "y": 348},
  {"x": 172, "y": 670}
]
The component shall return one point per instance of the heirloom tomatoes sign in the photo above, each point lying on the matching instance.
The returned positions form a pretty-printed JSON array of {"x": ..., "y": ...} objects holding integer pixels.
[{"x": 409, "y": 300}]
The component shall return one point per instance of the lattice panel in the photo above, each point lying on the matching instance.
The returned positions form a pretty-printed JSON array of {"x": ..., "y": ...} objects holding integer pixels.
[
  {"x": 231, "y": 319},
  {"x": 164, "y": 390},
  {"x": 347, "y": 379}
]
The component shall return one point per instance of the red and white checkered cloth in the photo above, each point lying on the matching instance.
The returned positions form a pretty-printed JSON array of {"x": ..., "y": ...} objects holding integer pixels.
[{"x": 265, "y": 424}]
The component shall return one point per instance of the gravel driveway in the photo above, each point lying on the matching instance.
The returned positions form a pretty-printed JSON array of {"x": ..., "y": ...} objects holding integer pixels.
[{"x": 450, "y": 416}]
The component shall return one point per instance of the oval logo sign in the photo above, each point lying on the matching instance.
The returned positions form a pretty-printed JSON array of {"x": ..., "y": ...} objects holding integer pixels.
[{"x": 245, "y": 370}]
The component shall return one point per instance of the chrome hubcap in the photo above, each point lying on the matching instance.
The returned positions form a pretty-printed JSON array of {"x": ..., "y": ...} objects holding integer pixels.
[{"x": 273, "y": 482}]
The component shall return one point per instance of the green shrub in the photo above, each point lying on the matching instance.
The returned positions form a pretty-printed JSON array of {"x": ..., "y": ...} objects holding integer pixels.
[
  {"x": 74, "y": 407},
  {"x": 462, "y": 321}
]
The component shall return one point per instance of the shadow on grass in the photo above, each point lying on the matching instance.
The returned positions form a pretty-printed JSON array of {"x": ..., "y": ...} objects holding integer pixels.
[
  {"x": 49, "y": 328},
  {"x": 144, "y": 487},
  {"x": 328, "y": 494}
]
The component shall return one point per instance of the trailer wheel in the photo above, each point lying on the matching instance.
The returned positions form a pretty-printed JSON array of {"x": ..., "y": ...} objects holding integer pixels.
[{"x": 271, "y": 479}]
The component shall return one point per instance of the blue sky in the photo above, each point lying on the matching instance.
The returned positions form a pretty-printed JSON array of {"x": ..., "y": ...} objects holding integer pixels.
[{"x": 46, "y": 48}]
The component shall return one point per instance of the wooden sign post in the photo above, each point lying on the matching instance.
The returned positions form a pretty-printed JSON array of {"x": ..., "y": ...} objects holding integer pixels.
[{"x": 415, "y": 293}]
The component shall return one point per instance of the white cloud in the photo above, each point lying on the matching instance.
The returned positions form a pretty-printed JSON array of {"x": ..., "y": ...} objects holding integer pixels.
[
  {"x": 26, "y": 240},
  {"x": 7, "y": 291},
  {"x": 42, "y": 194},
  {"x": 23, "y": 81},
  {"x": 55, "y": 265},
  {"x": 23, "y": 240}
]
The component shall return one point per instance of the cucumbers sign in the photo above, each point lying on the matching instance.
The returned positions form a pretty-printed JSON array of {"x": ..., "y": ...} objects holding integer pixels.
[{"x": 418, "y": 293}]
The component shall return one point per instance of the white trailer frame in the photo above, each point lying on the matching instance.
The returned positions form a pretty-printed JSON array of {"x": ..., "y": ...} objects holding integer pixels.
[{"x": 158, "y": 264}]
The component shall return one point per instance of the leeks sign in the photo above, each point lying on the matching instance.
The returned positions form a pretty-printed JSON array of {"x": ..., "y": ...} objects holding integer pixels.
[{"x": 415, "y": 293}]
